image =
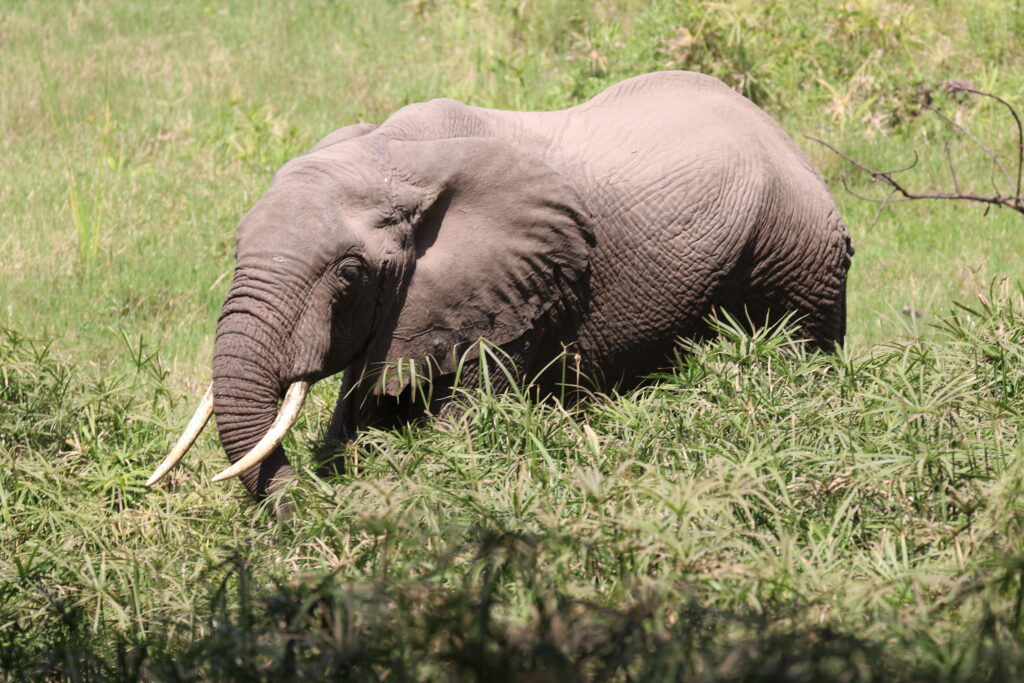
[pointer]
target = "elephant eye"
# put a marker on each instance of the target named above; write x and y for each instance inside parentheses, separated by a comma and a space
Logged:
(348, 273)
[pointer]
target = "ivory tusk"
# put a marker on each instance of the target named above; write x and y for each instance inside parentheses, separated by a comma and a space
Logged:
(188, 437)
(286, 417)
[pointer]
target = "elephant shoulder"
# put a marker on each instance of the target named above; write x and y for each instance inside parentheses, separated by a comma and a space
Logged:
(663, 85)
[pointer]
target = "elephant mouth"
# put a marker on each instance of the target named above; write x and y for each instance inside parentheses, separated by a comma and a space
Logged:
(287, 414)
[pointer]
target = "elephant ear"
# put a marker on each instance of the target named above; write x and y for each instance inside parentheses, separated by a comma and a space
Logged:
(501, 240)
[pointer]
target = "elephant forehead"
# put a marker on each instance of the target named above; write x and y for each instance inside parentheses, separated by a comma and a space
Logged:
(345, 180)
(316, 199)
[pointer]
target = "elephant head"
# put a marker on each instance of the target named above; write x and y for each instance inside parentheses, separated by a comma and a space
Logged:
(373, 248)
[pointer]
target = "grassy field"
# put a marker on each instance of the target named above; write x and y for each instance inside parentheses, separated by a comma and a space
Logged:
(756, 514)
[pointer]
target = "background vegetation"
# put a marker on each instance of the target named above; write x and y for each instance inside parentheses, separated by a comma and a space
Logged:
(756, 514)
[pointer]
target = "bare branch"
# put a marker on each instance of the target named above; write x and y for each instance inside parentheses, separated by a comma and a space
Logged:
(996, 200)
(1014, 201)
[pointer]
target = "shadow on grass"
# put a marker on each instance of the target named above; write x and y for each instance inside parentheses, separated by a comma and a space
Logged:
(422, 629)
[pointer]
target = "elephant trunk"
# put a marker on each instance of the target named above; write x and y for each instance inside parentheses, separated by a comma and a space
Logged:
(247, 385)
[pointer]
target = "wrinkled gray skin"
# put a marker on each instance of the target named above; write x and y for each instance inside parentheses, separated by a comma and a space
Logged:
(614, 227)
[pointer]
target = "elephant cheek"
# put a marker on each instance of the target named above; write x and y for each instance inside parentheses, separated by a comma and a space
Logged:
(328, 341)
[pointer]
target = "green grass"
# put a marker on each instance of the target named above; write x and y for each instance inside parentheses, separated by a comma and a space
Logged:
(758, 510)
(758, 513)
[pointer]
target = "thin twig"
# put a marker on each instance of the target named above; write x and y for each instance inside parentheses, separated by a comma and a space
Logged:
(873, 200)
(992, 178)
(1020, 131)
(952, 170)
(881, 207)
(967, 134)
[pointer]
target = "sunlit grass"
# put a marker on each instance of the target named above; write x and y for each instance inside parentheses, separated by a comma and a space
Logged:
(136, 138)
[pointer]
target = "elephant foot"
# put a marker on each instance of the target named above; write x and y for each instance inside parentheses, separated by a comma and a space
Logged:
(272, 491)
(331, 458)
(282, 508)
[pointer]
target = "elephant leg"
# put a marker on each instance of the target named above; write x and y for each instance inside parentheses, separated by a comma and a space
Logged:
(820, 312)
(273, 473)
(819, 296)
(805, 278)
(358, 407)
(340, 431)
(510, 367)
(820, 321)
(825, 328)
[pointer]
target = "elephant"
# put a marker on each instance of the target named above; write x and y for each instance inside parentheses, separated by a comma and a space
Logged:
(610, 230)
